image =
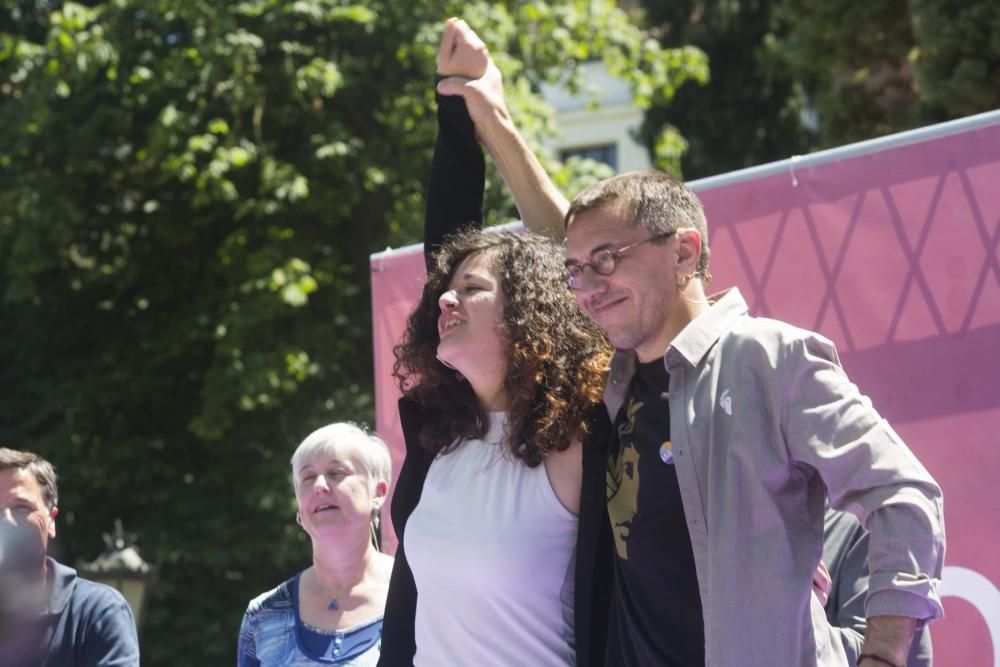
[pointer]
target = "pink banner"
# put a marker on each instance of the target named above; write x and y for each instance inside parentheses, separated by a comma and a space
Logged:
(892, 249)
(397, 280)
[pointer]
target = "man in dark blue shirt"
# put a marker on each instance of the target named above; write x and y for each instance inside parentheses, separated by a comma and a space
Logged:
(48, 615)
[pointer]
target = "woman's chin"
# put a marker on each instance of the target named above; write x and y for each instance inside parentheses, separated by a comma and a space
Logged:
(449, 359)
(337, 530)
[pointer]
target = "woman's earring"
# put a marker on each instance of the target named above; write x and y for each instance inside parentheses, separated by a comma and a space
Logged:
(374, 526)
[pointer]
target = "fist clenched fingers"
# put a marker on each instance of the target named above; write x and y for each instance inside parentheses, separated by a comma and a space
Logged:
(462, 53)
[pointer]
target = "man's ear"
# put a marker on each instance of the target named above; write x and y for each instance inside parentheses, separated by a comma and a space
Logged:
(688, 250)
(53, 513)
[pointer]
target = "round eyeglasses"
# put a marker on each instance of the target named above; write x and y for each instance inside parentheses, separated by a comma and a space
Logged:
(604, 262)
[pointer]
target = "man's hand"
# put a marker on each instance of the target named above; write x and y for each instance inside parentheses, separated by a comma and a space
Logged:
(464, 59)
(888, 637)
(822, 583)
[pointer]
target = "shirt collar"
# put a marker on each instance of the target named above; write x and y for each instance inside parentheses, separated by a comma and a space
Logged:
(697, 338)
(63, 580)
(690, 345)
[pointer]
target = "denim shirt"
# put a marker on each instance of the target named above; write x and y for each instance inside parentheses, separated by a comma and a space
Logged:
(268, 634)
(765, 425)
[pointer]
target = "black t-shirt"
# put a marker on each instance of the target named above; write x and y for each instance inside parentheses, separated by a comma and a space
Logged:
(656, 617)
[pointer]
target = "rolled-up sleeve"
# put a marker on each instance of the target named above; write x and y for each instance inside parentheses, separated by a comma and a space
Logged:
(867, 469)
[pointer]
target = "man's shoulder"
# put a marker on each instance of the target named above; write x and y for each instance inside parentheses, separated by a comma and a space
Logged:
(96, 607)
(94, 623)
(83, 596)
(96, 597)
(768, 327)
(769, 335)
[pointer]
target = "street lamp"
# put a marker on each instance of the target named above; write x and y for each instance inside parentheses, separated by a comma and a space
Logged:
(122, 568)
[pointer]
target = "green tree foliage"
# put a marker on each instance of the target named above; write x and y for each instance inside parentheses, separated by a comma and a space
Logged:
(748, 113)
(852, 59)
(189, 192)
(875, 68)
(957, 58)
(790, 76)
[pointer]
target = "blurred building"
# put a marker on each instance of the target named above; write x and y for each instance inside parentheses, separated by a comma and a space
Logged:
(606, 133)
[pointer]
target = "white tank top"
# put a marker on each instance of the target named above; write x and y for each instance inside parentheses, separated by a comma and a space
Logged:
(491, 549)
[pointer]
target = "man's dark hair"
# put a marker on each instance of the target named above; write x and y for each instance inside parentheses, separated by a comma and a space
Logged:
(653, 200)
(43, 471)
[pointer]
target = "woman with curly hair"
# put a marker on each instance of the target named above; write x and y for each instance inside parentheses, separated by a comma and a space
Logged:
(502, 378)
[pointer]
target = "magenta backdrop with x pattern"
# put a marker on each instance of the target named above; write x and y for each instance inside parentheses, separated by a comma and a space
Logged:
(891, 248)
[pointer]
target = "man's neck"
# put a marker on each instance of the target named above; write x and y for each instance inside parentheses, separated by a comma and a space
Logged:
(34, 591)
(684, 312)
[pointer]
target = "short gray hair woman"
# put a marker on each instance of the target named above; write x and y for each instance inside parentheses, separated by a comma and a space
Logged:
(331, 612)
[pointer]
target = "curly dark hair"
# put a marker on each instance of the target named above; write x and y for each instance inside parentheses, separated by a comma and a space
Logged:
(557, 359)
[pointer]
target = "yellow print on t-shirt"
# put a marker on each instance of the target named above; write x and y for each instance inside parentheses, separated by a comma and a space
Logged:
(623, 482)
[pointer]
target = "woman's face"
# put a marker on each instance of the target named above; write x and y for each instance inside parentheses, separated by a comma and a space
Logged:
(335, 495)
(470, 323)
